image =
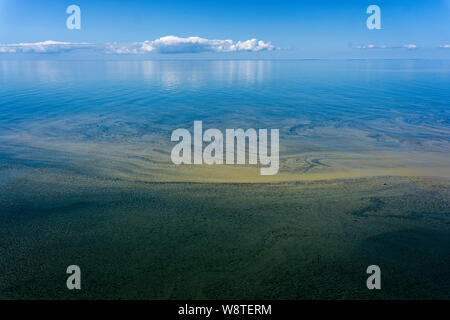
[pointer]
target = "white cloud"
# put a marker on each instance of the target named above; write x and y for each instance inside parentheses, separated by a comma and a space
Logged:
(372, 46)
(173, 44)
(168, 44)
(410, 46)
(43, 47)
(445, 46)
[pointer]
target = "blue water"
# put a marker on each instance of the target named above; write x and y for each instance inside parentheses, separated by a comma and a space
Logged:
(80, 141)
(396, 104)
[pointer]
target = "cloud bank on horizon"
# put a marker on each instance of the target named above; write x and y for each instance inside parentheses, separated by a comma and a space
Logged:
(410, 46)
(48, 46)
(166, 45)
(163, 45)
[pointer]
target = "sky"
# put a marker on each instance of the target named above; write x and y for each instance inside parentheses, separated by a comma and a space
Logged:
(232, 29)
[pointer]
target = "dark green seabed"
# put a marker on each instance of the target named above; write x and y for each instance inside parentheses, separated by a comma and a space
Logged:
(302, 240)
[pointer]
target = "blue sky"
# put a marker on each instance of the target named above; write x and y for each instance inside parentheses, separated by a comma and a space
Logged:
(295, 29)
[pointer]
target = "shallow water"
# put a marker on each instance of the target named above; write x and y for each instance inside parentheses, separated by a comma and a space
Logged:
(355, 117)
(231, 241)
(86, 179)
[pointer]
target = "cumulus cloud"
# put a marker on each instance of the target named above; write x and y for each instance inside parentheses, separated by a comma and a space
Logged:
(168, 44)
(445, 46)
(173, 44)
(43, 47)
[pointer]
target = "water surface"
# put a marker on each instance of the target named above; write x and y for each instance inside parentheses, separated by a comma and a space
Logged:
(336, 118)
